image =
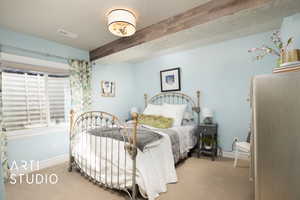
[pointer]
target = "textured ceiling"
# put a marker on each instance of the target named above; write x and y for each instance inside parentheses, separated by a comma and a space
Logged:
(42, 18)
(87, 18)
(244, 23)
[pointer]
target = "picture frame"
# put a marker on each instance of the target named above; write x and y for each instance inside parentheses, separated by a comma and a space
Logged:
(108, 88)
(170, 80)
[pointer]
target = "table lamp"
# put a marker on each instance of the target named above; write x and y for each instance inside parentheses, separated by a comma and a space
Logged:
(207, 115)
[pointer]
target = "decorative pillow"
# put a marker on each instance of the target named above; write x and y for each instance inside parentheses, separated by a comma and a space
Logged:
(152, 109)
(155, 121)
(174, 111)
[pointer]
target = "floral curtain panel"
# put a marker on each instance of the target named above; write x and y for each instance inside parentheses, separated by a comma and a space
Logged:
(3, 140)
(80, 82)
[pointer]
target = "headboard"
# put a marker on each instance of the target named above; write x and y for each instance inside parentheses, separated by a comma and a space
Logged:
(176, 98)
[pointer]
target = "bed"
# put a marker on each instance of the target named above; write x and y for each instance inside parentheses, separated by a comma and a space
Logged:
(129, 156)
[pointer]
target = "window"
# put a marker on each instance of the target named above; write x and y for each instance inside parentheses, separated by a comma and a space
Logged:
(58, 88)
(33, 100)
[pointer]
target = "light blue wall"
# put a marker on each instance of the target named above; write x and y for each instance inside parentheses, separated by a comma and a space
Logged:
(40, 147)
(291, 28)
(222, 72)
(123, 75)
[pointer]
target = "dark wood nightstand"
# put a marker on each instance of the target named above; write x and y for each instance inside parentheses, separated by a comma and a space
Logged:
(208, 140)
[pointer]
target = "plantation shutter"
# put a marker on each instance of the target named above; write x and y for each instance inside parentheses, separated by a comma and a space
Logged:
(57, 89)
(24, 100)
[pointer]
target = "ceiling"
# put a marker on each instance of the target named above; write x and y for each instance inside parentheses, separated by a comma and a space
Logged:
(247, 22)
(43, 18)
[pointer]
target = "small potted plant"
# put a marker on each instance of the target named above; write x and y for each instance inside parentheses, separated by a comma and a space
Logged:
(208, 142)
(280, 49)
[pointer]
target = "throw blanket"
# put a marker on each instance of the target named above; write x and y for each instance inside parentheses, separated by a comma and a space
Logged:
(144, 136)
(174, 137)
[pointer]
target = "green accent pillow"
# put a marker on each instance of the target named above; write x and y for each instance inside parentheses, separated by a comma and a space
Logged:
(155, 121)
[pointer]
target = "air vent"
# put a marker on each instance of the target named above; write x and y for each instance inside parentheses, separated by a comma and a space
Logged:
(67, 34)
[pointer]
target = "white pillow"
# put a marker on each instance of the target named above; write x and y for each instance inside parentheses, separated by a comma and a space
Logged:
(152, 109)
(188, 116)
(174, 111)
(188, 119)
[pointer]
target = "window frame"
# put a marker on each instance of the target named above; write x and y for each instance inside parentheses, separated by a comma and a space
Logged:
(49, 124)
(45, 65)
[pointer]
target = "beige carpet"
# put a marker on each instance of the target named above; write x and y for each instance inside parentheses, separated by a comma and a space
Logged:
(198, 179)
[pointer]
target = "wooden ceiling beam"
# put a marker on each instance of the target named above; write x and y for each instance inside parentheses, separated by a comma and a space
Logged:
(204, 13)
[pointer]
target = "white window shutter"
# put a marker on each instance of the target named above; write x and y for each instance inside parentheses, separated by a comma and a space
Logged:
(30, 100)
(57, 87)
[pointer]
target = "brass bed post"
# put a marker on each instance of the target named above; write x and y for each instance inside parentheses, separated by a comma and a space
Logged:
(146, 99)
(134, 154)
(198, 107)
(72, 115)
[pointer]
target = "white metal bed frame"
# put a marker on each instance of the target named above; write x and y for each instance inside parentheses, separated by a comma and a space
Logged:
(80, 127)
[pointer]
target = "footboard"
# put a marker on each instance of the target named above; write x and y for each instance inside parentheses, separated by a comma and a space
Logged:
(104, 150)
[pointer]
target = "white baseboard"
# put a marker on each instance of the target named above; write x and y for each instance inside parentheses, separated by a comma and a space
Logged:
(42, 164)
(230, 154)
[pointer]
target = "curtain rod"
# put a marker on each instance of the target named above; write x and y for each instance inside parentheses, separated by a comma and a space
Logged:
(34, 52)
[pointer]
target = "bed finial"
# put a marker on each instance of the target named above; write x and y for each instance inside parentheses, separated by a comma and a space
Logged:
(146, 99)
(134, 116)
(72, 117)
(198, 98)
(135, 121)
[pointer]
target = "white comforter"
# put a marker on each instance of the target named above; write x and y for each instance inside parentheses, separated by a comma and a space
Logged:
(187, 138)
(155, 165)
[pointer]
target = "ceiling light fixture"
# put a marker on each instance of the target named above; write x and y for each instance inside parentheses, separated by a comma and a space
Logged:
(121, 22)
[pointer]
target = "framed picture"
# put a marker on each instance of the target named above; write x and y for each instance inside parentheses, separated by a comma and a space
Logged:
(170, 80)
(108, 88)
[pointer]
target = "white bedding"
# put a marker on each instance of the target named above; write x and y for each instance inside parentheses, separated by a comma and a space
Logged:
(155, 165)
(187, 138)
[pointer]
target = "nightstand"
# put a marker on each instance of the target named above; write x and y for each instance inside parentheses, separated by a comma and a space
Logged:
(208, 140)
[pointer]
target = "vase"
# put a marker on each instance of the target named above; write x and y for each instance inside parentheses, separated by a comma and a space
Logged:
(291, 56)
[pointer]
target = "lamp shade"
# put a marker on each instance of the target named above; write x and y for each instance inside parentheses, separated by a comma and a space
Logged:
(121, 22)
(206, 112)
(134, 110)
